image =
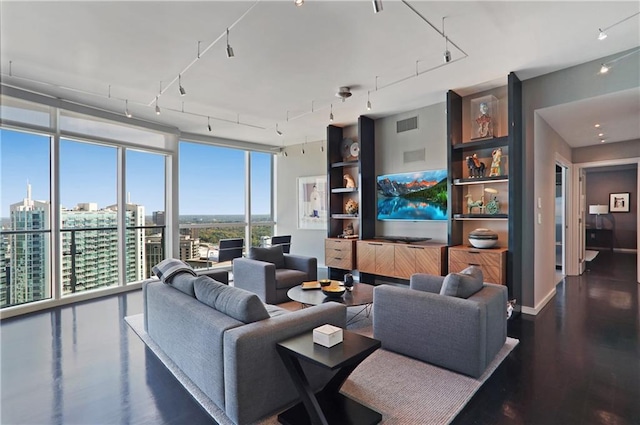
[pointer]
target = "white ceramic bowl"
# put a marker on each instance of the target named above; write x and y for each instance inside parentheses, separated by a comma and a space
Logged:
(483, 243)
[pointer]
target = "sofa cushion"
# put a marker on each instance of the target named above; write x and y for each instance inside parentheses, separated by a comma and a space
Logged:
(183, 282)
(234, 302)
(170, 267)
(274, 310)
(286, 278)
(272, 255)
(463, 284)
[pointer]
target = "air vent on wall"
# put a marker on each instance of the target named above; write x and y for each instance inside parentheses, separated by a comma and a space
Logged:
(414, 156)
(407, 124)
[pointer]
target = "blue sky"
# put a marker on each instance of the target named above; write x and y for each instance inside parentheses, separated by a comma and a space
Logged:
(211, 178)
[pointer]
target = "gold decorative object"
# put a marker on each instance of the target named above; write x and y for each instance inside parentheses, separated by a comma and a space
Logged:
(351, 207)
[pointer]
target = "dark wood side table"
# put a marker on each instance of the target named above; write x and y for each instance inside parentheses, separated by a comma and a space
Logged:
(327, 406)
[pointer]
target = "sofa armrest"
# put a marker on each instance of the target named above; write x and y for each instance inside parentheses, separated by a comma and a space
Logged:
(446, 331)
(309, 265)
(255, 276)
(256, 380)
(426, 282)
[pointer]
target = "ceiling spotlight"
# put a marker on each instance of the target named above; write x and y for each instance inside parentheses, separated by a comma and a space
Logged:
(298, 2)
(597, 126)
(447, 53)
(447, 56)
(182, 90)
(602, 35)
(229, 48)
(608, 65)
(157, 107)
(368, 102)
(209, 123)
(278, 132)
(126, 109)
(377, 6)
(331, 114)
(600, 134)
(285, 153)
(602, 140)
(604, 68)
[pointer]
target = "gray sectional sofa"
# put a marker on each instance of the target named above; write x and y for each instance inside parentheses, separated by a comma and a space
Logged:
(223, 338)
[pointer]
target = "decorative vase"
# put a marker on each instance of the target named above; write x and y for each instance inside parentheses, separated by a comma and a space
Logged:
(348, 281)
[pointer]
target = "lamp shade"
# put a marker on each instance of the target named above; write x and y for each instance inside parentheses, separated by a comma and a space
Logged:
(598, 209)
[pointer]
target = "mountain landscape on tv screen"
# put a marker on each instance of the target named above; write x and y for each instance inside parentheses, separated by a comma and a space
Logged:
(413, 196)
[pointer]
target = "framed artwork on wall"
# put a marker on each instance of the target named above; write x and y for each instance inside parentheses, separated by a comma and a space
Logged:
(619, 202)
(312, 202)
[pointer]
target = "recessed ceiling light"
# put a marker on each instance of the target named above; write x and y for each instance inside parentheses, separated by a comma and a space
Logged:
(298, 2)
(600, 134)
(597, 126)
(602, 141)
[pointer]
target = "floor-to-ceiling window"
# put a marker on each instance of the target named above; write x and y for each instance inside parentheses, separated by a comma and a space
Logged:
(25, 211)
(261, 196)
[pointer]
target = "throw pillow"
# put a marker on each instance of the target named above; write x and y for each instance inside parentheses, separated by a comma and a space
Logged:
(168, 268)
(272, 255)
(463, 284)
(234, 302)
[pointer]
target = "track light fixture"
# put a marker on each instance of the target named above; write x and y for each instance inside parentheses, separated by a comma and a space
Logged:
(298, 2)
(278, 132)
(447, 53)
(209, 123)
(368, 102)
(377, 6)
(182, 90)
(602, 32)
(126, 109)
(229, 48)
(331, 114)
(157, 107)
(605, 67)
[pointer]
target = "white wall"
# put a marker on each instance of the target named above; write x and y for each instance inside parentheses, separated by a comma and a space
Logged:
(288, 169)
(431, 135)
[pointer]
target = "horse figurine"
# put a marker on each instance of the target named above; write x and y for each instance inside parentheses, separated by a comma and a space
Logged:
(474, 204)
(476, 167)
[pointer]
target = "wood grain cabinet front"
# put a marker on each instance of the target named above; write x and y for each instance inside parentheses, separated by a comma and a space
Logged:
(339, 253)
(492, 261)
(410, 259)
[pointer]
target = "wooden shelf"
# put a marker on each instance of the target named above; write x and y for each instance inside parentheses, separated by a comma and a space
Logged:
(493, 142)
(344, 164)
(480, 180)
(344, 216)
(344, 190)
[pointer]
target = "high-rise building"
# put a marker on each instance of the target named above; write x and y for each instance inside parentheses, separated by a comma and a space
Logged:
(27, 272)
(189, 248)
(158, 218)
(90, 249)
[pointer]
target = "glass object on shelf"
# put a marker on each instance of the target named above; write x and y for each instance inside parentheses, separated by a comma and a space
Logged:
(484, 117)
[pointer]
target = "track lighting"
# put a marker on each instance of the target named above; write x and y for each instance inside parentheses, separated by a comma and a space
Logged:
(605, 67)
(447, 56)
(331, 114)
(447, 53)
(285, 153)
(368, 102)
(209, 123)
(298, 2)
(602, 35)
(157, 107)
(377, 6)
(182, 90)
(229, 48)
(278, 132)
(126, 109)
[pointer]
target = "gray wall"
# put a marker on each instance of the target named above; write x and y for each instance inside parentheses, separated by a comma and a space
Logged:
(431, 135)
(607, 151)
(288, 169)
(564, 86)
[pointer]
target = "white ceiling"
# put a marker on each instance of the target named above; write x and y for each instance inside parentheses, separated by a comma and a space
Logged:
(294, 59)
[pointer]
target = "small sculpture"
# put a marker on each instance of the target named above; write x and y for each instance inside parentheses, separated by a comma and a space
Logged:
(476, 167)
(493, 206)
(474, 204)
(495, 163)
(351, 207)
(484, 121)
(349, 180)
(348, 230)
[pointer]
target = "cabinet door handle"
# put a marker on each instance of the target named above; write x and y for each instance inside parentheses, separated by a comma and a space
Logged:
(473, 264)
(337, 258)
(336, 249)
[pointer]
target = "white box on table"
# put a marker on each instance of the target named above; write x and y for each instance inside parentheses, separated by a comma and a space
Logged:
(327, 335)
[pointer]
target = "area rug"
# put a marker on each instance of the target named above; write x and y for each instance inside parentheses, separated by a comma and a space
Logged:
(404, 390)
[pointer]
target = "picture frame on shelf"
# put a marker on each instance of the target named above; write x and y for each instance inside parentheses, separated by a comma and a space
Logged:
(619, 202)
(312, 203)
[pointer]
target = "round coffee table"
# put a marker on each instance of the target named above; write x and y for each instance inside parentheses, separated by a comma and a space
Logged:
(361, 295)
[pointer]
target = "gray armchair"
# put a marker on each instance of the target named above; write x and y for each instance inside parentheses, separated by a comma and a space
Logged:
(270, 273)
(461, 334)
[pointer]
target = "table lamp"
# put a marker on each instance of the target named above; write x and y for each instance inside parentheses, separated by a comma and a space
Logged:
(597, 210)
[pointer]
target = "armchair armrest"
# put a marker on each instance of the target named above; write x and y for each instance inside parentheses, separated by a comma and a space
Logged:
(446, 331)
(255, 276)
(309, 265)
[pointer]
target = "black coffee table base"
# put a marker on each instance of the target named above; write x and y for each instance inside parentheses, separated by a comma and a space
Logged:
(338, 410)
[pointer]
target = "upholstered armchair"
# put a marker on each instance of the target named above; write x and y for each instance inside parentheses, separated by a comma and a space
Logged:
(270, 273)
(456, 322)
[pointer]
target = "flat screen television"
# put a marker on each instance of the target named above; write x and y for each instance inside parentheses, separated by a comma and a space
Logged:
(416, 196)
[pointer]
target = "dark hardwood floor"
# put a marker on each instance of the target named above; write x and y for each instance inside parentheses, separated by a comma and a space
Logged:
(578, 362)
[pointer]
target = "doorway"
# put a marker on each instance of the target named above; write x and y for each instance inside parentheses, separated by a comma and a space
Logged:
(561, 221)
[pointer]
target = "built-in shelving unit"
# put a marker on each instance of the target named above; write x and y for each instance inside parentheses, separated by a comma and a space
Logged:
(340, 255)
(471, 196)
